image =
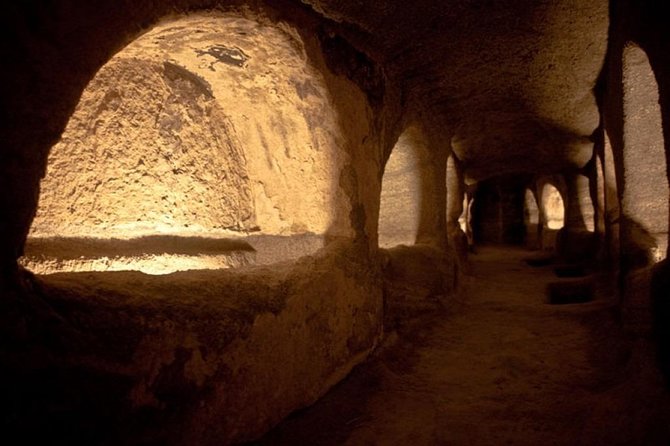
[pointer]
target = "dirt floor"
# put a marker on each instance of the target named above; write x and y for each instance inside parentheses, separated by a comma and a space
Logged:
(496, 366)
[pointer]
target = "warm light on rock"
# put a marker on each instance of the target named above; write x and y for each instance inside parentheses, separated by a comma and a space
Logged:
(401, 195)
(554, 208)
(335, 222)
(221, 132)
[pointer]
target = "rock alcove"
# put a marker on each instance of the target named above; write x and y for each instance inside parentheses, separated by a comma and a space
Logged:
(205, 143)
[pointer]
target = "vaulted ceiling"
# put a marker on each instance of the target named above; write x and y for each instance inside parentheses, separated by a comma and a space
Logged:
(510, 81)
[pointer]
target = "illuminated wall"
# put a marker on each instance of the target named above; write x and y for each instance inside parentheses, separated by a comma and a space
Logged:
(401, 195)
(204, 125)
(553, 207)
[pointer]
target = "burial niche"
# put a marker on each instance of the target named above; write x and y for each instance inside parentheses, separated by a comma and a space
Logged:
(206, 143)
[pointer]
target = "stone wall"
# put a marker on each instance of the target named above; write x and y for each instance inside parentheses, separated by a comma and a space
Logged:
(207, 357)
(147, 151)
(634, 115)
(380, 63)
(192, 358)
(229, 129)
(401, 194)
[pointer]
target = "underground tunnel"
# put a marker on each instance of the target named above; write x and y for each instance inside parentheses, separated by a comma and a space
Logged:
(321, 222)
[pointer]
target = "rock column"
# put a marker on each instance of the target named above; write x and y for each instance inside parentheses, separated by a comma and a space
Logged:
(577, 242)
(455, 197)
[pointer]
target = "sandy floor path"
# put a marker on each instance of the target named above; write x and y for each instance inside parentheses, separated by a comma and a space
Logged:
(499, 366)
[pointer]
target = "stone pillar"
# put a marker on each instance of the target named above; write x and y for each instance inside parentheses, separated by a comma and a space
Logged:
(455, 201)
(579, 209)
(20, 175)
(612, 208)
(576, 239)
(468, 203)
(433, 194)
(531, 214)
(598, 191)
(19, 191)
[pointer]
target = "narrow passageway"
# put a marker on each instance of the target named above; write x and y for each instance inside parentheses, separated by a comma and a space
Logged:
(498, 366)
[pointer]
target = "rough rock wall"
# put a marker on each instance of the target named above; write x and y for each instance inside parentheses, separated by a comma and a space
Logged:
(413, 203)
(170, 345)
(633, 116)
(53, 52)
(645, 180)
(280, 108)
(647, 23)
(196, 358)
(401, 194)
(636, 110)
(148, 149)
(544, 56)
(203, 124)
(531, 219)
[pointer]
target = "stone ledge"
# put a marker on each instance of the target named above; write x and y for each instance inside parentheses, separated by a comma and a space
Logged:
(206, 357)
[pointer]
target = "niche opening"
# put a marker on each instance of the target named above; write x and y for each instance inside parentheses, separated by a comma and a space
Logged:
(208, 142)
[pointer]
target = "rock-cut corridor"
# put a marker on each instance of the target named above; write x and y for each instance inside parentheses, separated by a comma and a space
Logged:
(498, 366)
(335, 222)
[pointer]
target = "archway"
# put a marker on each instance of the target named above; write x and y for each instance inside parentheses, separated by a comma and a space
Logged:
(644, 182)
(498, 209)
(552, 208)
(208, 142)
(401, 193)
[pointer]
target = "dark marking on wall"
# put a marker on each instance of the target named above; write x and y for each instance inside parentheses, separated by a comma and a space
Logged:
(229, 55)
(176, 72)
(264, 142)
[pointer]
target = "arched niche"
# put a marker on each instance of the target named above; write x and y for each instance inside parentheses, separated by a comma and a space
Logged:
(497, 210)
(457, 201)
(644, 182)
(208, 142)
(402, 191)
(553, 207)
(463, 219)
(552, 210)
(324, 311)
